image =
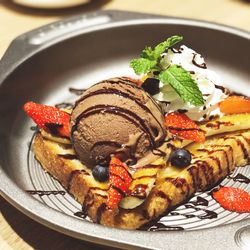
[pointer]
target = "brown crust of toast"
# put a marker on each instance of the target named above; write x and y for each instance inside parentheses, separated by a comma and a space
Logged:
(212, 161)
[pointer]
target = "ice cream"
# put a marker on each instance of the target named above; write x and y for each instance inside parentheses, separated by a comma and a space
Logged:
(116, 117)
(208, 83)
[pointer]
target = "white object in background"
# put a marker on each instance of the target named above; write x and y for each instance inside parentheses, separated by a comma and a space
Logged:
(50, 4)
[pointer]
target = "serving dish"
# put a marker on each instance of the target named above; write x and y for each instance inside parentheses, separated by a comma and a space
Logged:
(42, 64)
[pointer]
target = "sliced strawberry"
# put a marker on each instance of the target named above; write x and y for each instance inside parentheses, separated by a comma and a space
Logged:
(135, 81)
(181, 125)
(49, 118)
(120, 180)
(233, 199)
(235, 105)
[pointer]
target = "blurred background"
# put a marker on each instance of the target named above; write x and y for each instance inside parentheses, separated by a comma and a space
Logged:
(19, 16)
(16, 17)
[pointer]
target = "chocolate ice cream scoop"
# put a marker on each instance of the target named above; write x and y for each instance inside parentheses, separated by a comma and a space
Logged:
(116, 116)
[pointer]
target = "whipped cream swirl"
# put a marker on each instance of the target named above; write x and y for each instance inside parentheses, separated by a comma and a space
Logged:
(207, 80)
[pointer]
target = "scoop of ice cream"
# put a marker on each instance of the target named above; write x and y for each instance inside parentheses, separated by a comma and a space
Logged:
(116, 117)
(208, 82)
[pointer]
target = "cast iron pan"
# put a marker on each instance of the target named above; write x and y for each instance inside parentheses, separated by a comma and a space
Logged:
(42, 64)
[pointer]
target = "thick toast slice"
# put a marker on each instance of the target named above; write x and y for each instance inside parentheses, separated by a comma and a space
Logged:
(211, 162)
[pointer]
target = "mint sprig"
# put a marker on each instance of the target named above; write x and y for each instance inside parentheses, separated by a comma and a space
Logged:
(176, 76)
(184, 85)
(142, 65)
(150, 58)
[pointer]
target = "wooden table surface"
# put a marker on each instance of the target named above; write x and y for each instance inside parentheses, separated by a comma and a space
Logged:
(17, 230)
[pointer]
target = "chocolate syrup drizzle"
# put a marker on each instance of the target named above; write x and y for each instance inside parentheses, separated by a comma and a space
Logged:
(203, 65)
(53, 127)
(184, 129)
(43, 192)
(176, 51)
(208, 213)
(101, 209)
(199, 201)
(81, 214)
(68, 156)
(240, 178)
(218, 124)
(77, 91)
(112, 91)
(64, 105)
(34, 128)
(161, 227)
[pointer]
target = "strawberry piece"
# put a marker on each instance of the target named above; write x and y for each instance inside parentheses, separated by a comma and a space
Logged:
(181, 125)
(49, 118)
(235, 105)
(120, 180)
(233, 199)
(135, 81)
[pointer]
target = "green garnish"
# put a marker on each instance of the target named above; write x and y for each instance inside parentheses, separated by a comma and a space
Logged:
(176, 76)
(183, 84)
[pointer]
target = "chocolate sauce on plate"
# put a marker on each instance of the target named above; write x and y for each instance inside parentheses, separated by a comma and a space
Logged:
(64, 105)
(161, 227)
(208, 213)
(77, 91)
(81, 214)
(199, 201)
(240, 178)
(42, 192)
(34, 128)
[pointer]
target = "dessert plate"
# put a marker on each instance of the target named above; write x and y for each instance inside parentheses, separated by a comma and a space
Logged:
(51, 64)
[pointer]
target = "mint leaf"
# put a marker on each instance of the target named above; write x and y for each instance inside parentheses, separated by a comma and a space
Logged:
(150, 58)
(148, 53)
(142, 65)
(182, 82)
(161, 47)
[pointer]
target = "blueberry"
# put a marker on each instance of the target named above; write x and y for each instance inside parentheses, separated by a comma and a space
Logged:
(100, 173)
(151, 85)
(180, 158)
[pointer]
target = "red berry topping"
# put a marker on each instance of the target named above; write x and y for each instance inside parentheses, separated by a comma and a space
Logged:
(181, 125)
(233, 199)
(120, 180)
(49, 118)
